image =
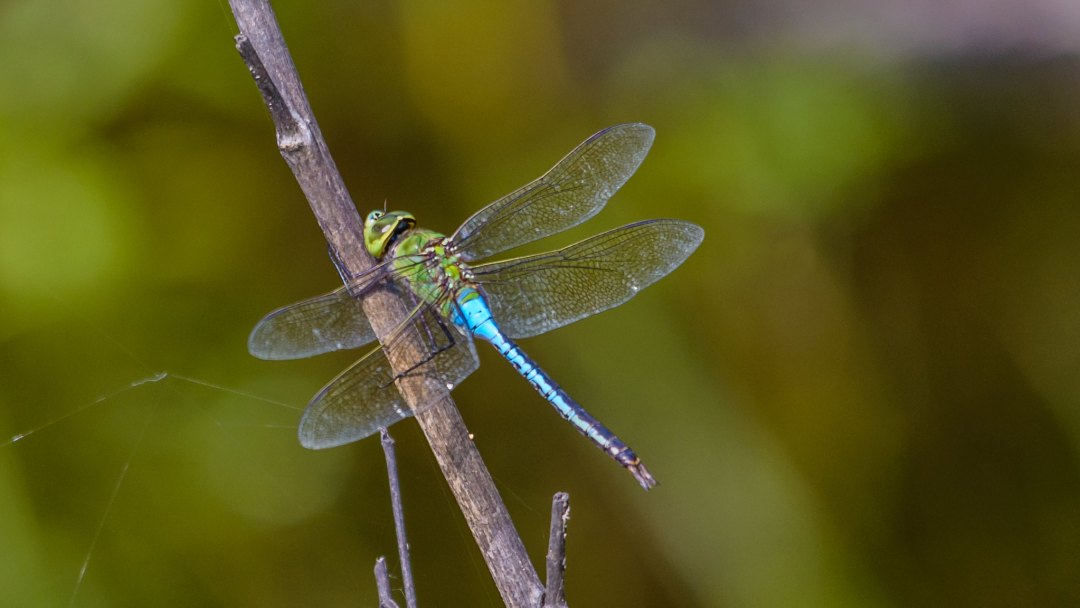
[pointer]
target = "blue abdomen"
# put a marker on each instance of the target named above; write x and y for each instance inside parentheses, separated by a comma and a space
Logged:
(472, 313)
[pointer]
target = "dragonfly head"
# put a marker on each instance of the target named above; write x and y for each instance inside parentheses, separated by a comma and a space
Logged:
(382, 227)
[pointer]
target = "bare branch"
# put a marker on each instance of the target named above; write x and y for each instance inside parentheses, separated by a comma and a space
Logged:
(301, 144)
(291, 131)
(555, 597)
(382, 583)
(399, 517)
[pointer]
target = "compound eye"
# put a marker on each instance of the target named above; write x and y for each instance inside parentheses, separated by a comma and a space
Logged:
(374, 215)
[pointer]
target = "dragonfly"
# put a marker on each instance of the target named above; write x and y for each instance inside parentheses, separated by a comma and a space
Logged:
(454, 297)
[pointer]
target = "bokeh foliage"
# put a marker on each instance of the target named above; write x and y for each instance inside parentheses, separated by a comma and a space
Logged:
(861, 391)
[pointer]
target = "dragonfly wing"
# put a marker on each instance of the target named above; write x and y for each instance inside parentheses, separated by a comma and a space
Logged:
(323, 324)
(332, 321)
(573, 190)
(364, 397)
(355, 404)
(535, 294)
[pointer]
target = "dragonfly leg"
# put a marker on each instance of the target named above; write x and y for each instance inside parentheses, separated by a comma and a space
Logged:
(431, 339)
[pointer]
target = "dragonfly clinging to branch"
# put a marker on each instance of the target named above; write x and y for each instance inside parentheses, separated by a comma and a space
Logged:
(455, 299)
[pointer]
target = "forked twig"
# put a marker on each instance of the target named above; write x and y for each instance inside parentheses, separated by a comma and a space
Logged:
(399, 517)
(555, 595)
(262, 46)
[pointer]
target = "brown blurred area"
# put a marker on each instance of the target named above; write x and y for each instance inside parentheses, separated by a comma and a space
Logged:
(862, 390)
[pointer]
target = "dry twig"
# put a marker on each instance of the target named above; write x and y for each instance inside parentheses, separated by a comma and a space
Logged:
(399, 517)
(555, 596)
(262, 46)
(382, 583)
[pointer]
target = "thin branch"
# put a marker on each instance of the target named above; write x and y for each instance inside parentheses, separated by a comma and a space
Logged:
(399, 517)
(382, 583)
(290, 129)
(555, 597)
(301, 144)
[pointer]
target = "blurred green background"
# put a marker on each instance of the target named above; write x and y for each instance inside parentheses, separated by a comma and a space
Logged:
(862, 390)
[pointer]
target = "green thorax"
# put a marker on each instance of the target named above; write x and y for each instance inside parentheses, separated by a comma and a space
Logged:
(431, 271)
(418, 255)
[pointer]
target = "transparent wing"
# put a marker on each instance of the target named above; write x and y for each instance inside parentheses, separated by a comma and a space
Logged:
(535, 294)
(364, 397)
(573, 190)
(323, 324)
(332, 321)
